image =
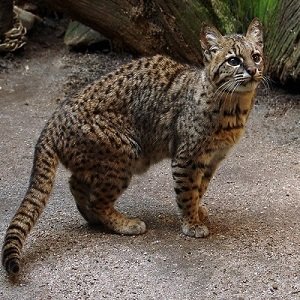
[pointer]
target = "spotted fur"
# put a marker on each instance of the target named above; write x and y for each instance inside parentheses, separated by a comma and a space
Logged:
(150, 109)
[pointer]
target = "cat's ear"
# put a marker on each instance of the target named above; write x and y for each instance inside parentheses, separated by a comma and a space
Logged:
(255, 32)
(210, 40)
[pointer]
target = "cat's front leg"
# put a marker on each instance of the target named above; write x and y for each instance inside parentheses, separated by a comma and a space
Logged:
(187, 176)
(214, 160)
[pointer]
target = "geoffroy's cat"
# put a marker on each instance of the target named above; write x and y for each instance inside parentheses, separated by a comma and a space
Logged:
(147, 110)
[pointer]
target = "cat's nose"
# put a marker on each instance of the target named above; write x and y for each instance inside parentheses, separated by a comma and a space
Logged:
(251, 70)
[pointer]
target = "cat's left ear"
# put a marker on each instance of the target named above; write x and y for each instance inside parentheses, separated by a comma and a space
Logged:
(255, 32)
(210, 40)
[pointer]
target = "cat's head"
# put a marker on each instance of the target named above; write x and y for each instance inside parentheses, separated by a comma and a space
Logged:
(234, 63)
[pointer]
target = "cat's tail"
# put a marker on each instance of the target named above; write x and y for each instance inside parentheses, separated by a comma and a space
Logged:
(41, 183)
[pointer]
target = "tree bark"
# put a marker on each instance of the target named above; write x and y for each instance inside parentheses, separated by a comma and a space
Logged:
(283, 46)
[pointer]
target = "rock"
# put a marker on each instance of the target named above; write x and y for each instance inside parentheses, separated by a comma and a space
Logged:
(81, 36)
(27, 18)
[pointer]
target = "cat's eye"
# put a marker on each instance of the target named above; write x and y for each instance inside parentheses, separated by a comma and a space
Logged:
(256, 58)
(234, 61)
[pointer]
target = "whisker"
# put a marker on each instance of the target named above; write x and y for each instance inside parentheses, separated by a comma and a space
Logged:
(223, 88)
(224, 84)
(234, 88)
(231, 84)
(266, 84)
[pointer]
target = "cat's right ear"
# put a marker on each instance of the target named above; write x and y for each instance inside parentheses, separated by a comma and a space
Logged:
(210, 39)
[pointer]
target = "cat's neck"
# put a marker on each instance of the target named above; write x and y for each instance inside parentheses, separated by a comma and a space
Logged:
(234, 109)
(234, 103)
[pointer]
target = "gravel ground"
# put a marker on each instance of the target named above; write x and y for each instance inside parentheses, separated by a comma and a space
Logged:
(253, 202)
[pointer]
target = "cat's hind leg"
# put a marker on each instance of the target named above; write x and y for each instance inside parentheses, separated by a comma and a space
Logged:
(95, 201)
(81, 194)
(103, 197)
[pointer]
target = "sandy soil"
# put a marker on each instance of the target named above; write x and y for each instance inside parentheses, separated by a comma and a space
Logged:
(253, 202)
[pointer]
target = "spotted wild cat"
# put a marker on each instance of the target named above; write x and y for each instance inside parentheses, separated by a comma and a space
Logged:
(147, 110)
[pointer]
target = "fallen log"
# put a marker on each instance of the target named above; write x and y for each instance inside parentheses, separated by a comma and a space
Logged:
(172, 27)
(146, 27)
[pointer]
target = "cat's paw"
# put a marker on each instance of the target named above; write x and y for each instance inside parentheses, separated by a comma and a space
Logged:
(133, 226)
(195, 230)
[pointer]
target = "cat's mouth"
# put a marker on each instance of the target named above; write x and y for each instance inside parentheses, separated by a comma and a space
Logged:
(247, 85)
(240, 84)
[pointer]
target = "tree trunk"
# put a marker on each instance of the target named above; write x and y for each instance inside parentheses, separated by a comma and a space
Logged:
(146, 27)
(172, 26)
(283, 47)
(6, 16)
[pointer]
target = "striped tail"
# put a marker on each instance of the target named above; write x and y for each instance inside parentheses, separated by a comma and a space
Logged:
(41, 183)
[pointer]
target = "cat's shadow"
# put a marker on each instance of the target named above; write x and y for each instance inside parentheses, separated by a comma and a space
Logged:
(77, 230)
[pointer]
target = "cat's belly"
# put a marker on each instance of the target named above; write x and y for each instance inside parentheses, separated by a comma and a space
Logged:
(143, 163)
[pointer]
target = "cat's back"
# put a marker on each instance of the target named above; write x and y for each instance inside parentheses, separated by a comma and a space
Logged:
(156, 70)
(145, 77)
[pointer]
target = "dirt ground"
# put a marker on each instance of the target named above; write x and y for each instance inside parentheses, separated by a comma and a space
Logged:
(253, 251)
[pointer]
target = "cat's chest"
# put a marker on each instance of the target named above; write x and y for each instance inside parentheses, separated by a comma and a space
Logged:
(231, 121)
(229, 130)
